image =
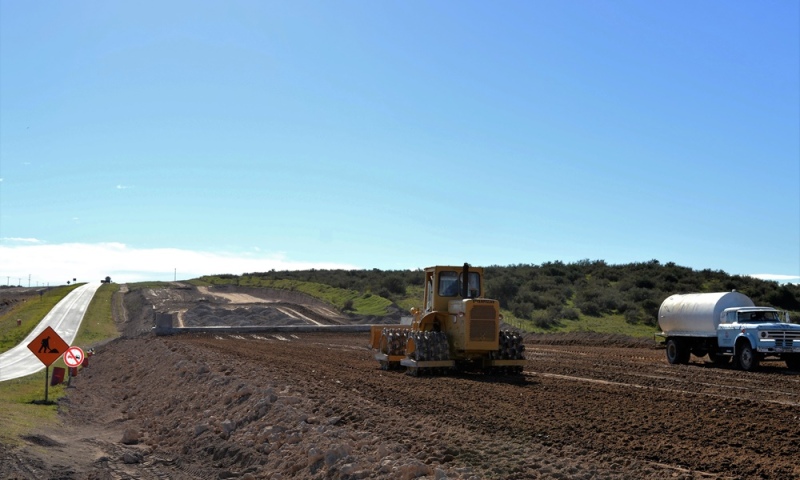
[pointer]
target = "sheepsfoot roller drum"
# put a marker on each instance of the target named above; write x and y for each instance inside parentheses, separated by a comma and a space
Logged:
(391, 346)
(457, 329)
(427, 353)
(509, 358)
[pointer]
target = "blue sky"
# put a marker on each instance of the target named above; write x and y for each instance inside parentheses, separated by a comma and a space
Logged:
(154, 140)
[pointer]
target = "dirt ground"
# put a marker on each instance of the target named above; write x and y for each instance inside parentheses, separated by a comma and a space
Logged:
(316, 406)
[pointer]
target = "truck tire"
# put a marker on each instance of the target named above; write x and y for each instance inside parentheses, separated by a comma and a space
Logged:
(677, 353)
(746, 358)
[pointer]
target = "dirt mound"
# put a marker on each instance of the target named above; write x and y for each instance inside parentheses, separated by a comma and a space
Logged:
(274, 314)
(237, 306)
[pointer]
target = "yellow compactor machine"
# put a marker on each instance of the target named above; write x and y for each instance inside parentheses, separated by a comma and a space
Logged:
(457, 329)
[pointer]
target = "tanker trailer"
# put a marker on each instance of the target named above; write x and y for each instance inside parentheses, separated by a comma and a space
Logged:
(725, 326)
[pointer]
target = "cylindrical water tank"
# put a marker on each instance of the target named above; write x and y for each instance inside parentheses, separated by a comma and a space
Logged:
(697, 313)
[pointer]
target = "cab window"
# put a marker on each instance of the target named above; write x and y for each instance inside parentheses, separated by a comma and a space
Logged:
(448, 284)
(474, 286)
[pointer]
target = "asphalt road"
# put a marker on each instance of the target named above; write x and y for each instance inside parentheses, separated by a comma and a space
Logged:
(65, 318)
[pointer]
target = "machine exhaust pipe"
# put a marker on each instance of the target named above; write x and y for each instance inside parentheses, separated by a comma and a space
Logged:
(465, 281)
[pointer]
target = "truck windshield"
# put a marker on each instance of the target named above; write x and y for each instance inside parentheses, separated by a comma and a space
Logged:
(758, 317)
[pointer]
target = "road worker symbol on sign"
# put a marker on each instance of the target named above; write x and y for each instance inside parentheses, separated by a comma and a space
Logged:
(48, 346)
(45, 346)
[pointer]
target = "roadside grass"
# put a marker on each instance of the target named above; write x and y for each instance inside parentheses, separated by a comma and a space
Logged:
(98, 322)
(30, 312)
(18, 415)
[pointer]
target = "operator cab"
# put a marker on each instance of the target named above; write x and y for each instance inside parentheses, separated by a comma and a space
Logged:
(443, 284)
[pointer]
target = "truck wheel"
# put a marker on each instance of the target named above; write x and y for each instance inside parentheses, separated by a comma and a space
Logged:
(677, 353)
(746, 358)
(793, 362)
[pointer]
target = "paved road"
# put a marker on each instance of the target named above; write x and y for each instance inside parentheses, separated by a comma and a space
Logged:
(65, 318)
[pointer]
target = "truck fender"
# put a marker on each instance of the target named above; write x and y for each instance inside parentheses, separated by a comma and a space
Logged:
(742, 337)
(428, 321)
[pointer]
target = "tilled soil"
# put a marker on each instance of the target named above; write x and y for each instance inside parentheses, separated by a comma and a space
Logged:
(315, 406)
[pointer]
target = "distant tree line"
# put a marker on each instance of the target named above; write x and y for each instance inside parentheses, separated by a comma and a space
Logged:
(553, 291)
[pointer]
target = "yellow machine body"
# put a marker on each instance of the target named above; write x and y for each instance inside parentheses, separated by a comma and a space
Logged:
(455, 317)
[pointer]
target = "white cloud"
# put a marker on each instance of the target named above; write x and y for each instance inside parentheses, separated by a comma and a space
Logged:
(57, 264)
(775, 277)
(123, 187)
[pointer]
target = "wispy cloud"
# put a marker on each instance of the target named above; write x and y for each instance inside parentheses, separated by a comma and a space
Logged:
(20, 240)
(123, 187)
(776, 277)
(57, 264)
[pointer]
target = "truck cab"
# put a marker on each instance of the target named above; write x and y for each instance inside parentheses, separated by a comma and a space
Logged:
(752, 333)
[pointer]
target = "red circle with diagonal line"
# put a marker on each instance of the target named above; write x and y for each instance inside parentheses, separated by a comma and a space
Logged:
(73, 357)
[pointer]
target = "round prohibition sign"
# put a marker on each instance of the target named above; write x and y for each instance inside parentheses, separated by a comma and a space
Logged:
(73, 356)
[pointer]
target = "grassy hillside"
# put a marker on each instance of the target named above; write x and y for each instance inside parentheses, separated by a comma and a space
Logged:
(551, 297)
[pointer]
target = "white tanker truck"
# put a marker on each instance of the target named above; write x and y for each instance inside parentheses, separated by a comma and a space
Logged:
(725, 326)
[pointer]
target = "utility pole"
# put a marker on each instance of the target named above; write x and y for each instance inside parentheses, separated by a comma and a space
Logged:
(29, 280)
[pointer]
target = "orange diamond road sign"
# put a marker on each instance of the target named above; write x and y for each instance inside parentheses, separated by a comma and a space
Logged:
(48, 346)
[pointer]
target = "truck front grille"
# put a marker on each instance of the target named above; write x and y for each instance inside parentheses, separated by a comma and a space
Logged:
(783, 338)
